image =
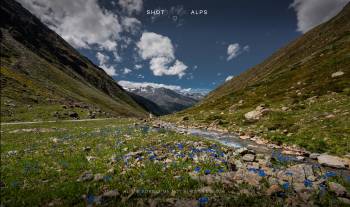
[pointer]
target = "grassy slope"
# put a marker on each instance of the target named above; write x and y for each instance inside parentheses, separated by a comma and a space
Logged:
(38, 68)
(291, 77)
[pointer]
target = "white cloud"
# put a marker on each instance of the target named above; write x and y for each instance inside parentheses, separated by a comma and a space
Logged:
(103, 60)
(138, 66)
(126, 71)
(233, 50)
(131, 6)
(159, 66)
(229, 78)
(311, 13)
(110, 70)
(160, 51)
(82, 23)
(131, 25)
(152, 45)
(136, 85)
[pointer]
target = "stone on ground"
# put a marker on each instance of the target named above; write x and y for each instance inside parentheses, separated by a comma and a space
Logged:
(337, 74)
(338, 189)
(248, 158)
(86, 176)
(330, 161)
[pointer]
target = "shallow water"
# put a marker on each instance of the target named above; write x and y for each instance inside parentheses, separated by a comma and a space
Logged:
(227, 139)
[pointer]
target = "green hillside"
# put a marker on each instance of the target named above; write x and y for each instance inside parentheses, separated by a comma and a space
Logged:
(43, 77)
(303, 90)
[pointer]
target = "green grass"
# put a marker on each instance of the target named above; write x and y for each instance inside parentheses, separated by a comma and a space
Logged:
(44, 171)
(39, 113)
(50, 158)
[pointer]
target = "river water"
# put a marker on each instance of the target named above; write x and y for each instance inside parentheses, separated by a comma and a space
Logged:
(227, 139)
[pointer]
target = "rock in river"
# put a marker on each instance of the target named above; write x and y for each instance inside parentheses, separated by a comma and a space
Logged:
(296, 173)
(314, 155)
(248, 158)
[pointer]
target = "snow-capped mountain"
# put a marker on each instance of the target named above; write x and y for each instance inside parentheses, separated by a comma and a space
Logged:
(167, 100)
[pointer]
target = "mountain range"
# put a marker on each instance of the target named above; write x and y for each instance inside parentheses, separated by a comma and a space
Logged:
(166, 101)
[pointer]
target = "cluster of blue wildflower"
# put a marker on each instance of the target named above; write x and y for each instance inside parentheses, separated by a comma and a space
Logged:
(260, 172)
(285, 186)
(307, 183)
(90, 199)
(180, 150)
(329, 174)
(203, 201)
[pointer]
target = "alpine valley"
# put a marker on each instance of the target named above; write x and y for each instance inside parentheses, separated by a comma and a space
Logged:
(277, 134)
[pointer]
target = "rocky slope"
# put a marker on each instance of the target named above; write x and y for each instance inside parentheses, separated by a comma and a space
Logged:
(148, 105)
(42, 75)
(299, 95)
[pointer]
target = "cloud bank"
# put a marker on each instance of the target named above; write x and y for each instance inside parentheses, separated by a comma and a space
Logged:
(160, 51)
(134, 85)
(137, 85)
(311, 13)
(80, 22)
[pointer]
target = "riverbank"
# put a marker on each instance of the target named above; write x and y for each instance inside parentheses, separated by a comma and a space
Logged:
(241, 139)
(317, 124)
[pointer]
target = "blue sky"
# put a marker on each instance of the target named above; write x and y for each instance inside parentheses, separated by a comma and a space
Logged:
(202, 41)
(177, 48)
